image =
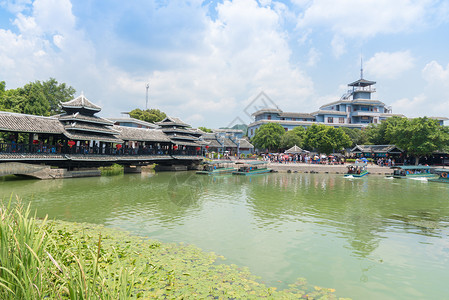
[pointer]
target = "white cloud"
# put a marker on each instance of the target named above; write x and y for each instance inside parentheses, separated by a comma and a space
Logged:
(314, 57)
(361, 20)
(434, 99)
(338, 46)
(435, 74)
(354, 18)
(15, 6)
(241, 52)
(389, 65)
(410, 107)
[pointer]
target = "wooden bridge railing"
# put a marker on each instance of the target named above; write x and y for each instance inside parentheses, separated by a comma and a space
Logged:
(60, 149)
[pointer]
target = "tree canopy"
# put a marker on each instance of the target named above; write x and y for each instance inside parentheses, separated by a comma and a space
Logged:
(149, 115)
(420, 136)
(207, 130)
(36, 98)
(326, 139)
(268, 136)
(293, 137)
(382, 133)
(357, 136)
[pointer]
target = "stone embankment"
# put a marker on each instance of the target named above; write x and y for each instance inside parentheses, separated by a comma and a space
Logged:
(325, 169)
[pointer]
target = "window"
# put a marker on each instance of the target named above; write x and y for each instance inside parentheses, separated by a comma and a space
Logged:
(269, 117)
(341, 120)
(293, 119)
(349, 120)
(330, 120)
(283, 119)
(375, 121)
(252, 131)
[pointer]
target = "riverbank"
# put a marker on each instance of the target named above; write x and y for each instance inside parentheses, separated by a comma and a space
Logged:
(325, 169)
(70, 260)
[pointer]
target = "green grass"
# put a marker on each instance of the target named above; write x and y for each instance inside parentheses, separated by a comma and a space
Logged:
(61, 260)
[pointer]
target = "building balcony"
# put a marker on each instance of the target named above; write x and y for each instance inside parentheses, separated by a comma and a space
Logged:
(362, 113)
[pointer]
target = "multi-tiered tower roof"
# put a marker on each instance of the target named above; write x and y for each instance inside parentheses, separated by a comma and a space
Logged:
(80, 122)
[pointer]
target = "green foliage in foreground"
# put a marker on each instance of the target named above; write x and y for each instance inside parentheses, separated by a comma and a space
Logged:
(60, 260)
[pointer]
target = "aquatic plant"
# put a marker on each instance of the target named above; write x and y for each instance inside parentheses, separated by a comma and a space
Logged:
(61, 260)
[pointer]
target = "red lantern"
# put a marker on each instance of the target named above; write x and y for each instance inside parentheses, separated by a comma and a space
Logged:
(175, 147)
(207, 147)
(71, 143)
(119, 146)
(35, 142)
(198, 148)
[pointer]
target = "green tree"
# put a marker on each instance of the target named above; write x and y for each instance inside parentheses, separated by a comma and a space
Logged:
(420, 136)
(326, 139)
(268, 136)
(56, 93)
(205, 129)
(357, 136)
(149, 115)
(381, 134)
(293, 137)
(37, 98)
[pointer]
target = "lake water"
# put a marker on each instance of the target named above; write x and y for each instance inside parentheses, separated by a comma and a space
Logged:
(369, 238)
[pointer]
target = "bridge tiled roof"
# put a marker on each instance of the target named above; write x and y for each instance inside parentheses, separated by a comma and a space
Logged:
(141, 134)
(187, 143)
(81, 117)
(79, 126)
(15, 122)
(92, 137)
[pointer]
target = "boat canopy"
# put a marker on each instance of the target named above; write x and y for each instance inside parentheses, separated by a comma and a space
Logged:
(214, 162)
(253, 163)
(412, 167)
(441, 170)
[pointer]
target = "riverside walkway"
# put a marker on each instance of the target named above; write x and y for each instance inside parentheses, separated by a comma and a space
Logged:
(324, 168)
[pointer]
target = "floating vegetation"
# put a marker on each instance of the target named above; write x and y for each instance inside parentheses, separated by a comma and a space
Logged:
(56, 259)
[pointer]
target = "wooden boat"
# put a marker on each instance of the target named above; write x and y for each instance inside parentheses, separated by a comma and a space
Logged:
(251, 168)
(412, 172)
(217, 167)
(442, 176)
(357, 170)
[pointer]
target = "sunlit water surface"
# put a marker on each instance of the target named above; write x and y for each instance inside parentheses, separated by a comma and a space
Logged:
(369, 238)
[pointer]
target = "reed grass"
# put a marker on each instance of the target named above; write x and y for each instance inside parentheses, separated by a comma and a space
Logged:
(33, 265)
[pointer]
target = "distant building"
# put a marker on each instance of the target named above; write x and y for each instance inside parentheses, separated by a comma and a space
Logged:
(132, 122)
(355, 109)
(231, 140)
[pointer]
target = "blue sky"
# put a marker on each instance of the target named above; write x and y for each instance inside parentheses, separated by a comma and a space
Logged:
(206, 61)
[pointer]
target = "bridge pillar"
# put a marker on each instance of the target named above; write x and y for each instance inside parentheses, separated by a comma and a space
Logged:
(132, 169)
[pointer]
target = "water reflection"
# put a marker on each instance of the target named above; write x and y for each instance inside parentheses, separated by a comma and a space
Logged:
(337, 232)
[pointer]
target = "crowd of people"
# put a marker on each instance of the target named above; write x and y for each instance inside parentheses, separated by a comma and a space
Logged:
(303, 158)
